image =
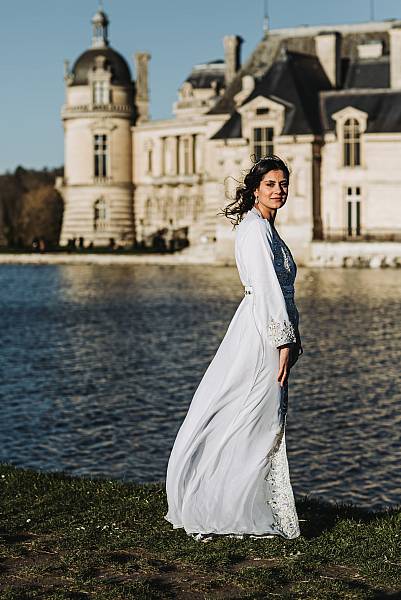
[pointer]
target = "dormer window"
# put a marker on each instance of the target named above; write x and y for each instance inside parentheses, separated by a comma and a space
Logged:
(101, 93)
(351, 143)
(351, 124)
(262, 141)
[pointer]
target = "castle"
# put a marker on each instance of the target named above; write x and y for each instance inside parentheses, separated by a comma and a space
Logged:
(325, 98)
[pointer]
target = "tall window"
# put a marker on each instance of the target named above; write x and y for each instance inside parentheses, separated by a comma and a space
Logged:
(100, 215)
(352, 143)
(194, 165)
(163, 142)
(100, 92)
(197, 206)
(186, 155)
(168, 202)
(353, 205)
(167, 155)
(262, 141)
(100, 155)
(149, 166)
(148, 211)
(177, 156)
(182, 207)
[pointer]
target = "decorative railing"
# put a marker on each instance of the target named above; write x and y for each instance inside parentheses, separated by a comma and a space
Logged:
(102, 180)
(189, 179)
(373, 235)
(79, 108)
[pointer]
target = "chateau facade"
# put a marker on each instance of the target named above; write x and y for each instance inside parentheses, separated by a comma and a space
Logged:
(326, 99)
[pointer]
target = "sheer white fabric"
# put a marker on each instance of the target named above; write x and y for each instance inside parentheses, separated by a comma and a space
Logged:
(228, 470)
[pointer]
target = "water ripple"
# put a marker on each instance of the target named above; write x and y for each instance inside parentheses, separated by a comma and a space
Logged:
(98, 366)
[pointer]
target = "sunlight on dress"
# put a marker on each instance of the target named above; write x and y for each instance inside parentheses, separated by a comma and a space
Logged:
(228, 471)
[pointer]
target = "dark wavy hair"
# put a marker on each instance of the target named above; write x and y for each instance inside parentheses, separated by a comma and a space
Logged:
(244, 194)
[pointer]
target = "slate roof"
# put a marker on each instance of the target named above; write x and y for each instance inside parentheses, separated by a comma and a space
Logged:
(231, 128)
(202, 76)
(261, 59)
(296, 80)
(86, 61)
(382, 106)
(372, 73)
(286, 69)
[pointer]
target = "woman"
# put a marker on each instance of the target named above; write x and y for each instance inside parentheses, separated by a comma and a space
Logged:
(228, 471)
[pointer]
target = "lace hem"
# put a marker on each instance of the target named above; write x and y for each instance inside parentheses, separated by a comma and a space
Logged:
(280, 332)
(280, 496)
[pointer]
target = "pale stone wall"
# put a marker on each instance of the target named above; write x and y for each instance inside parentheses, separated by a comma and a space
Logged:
(78, 152)
(81, 189)
(355, 254)
(295, 219)
(378, 177)
(79, 204)
(165, 198)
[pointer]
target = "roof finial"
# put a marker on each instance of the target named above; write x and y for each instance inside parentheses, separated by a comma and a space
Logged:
(100, 25)
(372, 10)
(266, 17)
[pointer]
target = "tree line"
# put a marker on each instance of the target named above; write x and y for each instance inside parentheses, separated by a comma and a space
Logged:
(31, 209)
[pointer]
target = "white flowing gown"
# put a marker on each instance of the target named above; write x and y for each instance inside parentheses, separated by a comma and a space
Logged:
(228, 470)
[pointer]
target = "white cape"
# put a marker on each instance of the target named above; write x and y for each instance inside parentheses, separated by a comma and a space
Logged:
(228, 469)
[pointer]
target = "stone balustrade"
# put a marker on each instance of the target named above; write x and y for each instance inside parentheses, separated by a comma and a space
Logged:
(124, 109)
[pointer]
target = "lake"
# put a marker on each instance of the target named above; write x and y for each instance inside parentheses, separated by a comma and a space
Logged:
(98, 365)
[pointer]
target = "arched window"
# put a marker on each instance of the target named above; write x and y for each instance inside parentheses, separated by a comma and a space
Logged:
(352, 143)
(99, 215)
(148, 211)
(182, 207)
(197, 207)
(168, 202)
(101, 93)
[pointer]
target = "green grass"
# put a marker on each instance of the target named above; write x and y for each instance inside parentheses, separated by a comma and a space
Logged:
(70, 538)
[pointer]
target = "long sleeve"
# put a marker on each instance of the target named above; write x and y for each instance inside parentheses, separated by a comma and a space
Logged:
(269, 303)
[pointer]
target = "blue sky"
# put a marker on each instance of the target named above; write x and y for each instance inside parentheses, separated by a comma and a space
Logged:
(36, 37)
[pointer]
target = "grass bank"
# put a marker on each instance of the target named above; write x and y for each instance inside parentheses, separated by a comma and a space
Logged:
(74, 538)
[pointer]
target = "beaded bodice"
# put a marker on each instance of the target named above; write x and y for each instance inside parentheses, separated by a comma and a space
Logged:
(286, 271)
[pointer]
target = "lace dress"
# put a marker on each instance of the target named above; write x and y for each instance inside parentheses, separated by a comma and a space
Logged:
(228, 472)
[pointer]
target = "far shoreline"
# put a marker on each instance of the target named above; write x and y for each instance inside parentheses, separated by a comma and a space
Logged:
(65, 258)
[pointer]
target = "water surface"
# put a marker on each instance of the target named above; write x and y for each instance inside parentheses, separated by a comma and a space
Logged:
(98, 365)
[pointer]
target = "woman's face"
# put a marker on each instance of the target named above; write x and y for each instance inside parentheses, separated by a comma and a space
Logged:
(273, 189)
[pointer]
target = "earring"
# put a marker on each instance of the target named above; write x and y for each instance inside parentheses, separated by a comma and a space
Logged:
(256, 199)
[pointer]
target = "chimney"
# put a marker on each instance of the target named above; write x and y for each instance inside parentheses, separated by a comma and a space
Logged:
(142, 87)
(232, 56)
(328, 51)
(395, 57)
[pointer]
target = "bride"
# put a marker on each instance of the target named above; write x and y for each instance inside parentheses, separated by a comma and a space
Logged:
(228, 471)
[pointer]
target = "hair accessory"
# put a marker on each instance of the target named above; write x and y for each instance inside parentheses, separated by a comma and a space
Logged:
(267, 157)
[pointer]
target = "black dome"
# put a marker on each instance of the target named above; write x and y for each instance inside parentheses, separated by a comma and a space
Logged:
(119, 68)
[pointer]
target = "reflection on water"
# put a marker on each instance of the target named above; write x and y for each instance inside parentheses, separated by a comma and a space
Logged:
(98, 366)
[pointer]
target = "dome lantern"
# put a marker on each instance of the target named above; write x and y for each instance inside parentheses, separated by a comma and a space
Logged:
(100, 24)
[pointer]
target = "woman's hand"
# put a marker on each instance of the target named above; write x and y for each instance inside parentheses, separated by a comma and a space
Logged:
(284, 364)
